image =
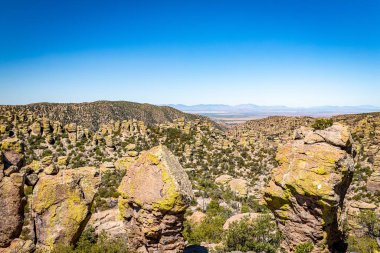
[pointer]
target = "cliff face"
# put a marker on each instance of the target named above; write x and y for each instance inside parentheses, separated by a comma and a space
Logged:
(307, 190)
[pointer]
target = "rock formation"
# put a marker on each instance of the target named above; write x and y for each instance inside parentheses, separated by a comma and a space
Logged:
(61, 204)
(13, 152)
(307, 190)
(11, 190)
(155, 193)
(11, 211)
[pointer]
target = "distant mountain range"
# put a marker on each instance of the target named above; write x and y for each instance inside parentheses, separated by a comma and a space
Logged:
(240, 113)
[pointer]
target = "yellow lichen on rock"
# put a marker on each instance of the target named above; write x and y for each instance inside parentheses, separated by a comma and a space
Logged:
(61, 204)
(308, 186)
(154, 194)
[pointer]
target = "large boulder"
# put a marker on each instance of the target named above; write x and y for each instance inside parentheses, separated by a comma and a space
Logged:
(307, 190)
(239, 217)
(239, 186)
(61, 205)
(11, 208)
(223, 179)
(13, 152)
(154, 195)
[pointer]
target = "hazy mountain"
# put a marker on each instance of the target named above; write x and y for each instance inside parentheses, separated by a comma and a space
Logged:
(257, 110)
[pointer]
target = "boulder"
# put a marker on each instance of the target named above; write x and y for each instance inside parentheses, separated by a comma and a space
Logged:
(223, 179)
(131, 147)
(61, 205)
(13, 152)
(12, 208)
(307, 190)
(62, 162)
(239, 186)
(154, 195)
(196, 218)
(337, 135)
(132, 153)
(51, 170)
(31, 179)
(239, 217)
(10, 170)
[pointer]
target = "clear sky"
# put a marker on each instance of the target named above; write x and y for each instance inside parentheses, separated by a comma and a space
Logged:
(267, 52)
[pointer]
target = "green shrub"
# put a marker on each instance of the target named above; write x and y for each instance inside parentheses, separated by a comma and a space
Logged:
(89, 243)
(306, 247)
(211, 228)
(28, 190)
(321, 124)
(47, 152)
(371, 222)
(363, 244)
(260, 235)
(367, 243)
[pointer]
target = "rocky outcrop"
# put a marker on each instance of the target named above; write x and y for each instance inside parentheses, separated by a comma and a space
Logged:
(155, 193)
(11, 190)
(13, 152)
(11, 208)
(307, 190)
(61, 205)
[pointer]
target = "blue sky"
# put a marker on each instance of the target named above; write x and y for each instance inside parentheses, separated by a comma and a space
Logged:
(269, 52)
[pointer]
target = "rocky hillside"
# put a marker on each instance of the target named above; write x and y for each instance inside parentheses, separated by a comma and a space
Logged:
(166, 186)
(92, 115)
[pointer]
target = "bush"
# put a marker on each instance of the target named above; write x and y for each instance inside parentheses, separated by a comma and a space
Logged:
(370, 221)
(47, 152)
(364, 244)
(367, 243)
(321, 124)
(260, 235)
(304, 247)
(89, 243)
(211, 228)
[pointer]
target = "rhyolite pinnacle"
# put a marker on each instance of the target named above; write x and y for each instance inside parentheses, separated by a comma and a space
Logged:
(308, 187)
(154, 195)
